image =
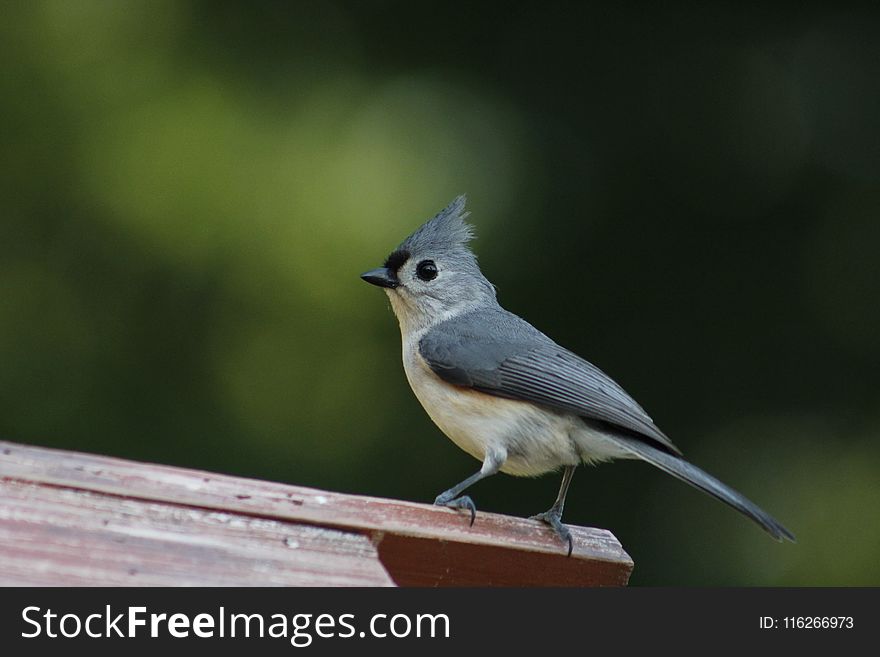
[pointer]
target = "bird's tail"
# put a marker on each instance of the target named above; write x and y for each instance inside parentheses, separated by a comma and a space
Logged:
(692, 475)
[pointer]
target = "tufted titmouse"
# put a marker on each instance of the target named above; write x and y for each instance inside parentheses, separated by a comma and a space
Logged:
(506, 393)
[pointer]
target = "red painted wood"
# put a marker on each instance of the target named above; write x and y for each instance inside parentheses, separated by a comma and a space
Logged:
(51, 536)
(418, 544)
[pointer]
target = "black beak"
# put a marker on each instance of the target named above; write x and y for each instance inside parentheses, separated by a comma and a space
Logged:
(383, 277)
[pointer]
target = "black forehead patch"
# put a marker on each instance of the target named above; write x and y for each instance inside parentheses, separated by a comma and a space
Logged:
(395, 261)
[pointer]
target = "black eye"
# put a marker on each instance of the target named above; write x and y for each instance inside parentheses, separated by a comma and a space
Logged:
(426, 270)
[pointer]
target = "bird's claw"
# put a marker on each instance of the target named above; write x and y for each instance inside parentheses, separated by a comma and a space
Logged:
(554, 519)
(463, 502)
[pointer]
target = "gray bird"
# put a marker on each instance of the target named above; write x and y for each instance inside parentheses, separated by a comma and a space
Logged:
(503, 391)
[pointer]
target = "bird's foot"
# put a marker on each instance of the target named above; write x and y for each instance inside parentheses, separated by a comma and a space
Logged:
(463, 502)
(553, 517)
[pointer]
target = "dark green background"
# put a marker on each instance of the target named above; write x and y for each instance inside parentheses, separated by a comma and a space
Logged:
(689, 196)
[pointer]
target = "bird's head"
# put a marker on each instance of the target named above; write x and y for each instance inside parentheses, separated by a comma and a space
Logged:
(433, 275)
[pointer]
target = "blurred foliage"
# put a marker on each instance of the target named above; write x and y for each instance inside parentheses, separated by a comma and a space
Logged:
(687, 195)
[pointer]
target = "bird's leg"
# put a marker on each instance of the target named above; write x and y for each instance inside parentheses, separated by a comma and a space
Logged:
(553, 516)
(453, 498)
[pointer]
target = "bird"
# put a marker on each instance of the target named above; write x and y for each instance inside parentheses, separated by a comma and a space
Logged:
(506, 393)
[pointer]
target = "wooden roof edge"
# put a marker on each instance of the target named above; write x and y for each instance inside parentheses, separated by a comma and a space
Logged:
(418, 544)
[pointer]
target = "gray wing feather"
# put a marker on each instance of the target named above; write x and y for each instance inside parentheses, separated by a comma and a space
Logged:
(500, 354)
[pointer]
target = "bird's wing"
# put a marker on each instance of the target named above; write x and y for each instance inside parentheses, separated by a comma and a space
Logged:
(500, 354)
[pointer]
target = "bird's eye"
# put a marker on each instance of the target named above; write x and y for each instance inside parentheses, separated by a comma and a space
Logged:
(426, 270)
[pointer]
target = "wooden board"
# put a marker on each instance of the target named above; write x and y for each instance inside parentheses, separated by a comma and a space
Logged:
(53, 536)
(54, 504)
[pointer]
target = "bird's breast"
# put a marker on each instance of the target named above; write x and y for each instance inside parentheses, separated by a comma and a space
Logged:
(535, 440)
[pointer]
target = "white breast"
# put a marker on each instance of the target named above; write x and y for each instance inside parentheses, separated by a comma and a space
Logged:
(534, 440)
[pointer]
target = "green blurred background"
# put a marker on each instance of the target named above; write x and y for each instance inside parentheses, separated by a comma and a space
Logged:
(689, 196)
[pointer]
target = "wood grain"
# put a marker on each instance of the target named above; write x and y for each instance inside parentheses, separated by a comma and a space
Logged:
(51, 500)
(51, 536)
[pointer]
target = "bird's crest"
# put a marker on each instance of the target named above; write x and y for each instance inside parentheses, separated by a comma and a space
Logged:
(447, 228)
